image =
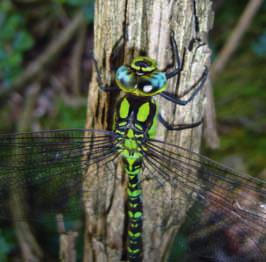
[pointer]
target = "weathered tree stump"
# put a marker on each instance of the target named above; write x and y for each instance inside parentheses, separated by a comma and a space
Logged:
(147, 25)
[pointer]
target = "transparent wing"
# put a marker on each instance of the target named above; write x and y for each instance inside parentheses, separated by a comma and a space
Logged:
(45, 171)
(228, 217)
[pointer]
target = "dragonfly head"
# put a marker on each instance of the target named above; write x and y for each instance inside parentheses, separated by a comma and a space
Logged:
(141, 77)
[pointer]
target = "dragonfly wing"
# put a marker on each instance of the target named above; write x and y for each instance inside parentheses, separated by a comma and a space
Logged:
(223, 200)
(48, 169)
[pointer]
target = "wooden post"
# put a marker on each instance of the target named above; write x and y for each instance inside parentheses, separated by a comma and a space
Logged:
(148, 25)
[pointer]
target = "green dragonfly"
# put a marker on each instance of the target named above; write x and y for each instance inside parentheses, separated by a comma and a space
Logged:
(52, 166)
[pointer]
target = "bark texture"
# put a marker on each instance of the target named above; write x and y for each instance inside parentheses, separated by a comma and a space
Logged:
(148, 25)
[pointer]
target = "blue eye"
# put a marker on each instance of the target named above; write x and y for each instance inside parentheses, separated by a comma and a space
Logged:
(131, 81)
(125, 77)
(153, 82)
(158, 80)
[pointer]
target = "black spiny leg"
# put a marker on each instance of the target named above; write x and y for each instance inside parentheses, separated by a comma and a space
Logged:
(197, 87)
(176, 56)
(178, 127)
(102, 86)
(118, 51)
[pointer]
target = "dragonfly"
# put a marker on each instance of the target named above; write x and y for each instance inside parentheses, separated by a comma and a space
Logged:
(53, 165)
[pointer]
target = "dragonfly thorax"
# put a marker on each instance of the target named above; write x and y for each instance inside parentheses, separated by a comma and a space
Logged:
(136, 118)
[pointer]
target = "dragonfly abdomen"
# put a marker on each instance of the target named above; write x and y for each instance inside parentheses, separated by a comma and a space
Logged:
(135, 208)
(133, 158)
(134, 122)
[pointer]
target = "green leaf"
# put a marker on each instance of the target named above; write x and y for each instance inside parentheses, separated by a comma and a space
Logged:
(89, 13)
(23, 41)
(5, 248)
(60, 1)
(14, 59)
(10, 27)
(15, 21)
(2, 18)
(3, 55)
(76, 2)
(6, 6)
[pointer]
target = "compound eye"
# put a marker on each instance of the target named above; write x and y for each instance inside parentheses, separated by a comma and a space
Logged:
(157, 80)
(125, 77)
(152, 83)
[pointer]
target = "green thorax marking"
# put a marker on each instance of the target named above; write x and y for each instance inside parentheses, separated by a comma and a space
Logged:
(138, 115)
(124, 108)
(143, 112)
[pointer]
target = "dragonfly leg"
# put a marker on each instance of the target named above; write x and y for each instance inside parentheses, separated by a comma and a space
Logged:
(178, 127)
(178, 66)
(118, 51)
(103, 87)
(196, 87)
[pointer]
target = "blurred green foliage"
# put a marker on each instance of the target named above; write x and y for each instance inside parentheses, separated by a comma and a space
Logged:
(16, 37)
(15, 40)
(66, 117)
(86, 5)
(259, 45)
(240, 88)
(240, 95)
(7, 240)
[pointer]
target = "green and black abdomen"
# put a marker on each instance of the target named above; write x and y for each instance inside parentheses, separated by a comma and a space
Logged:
(135, 121)
(135, 209)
